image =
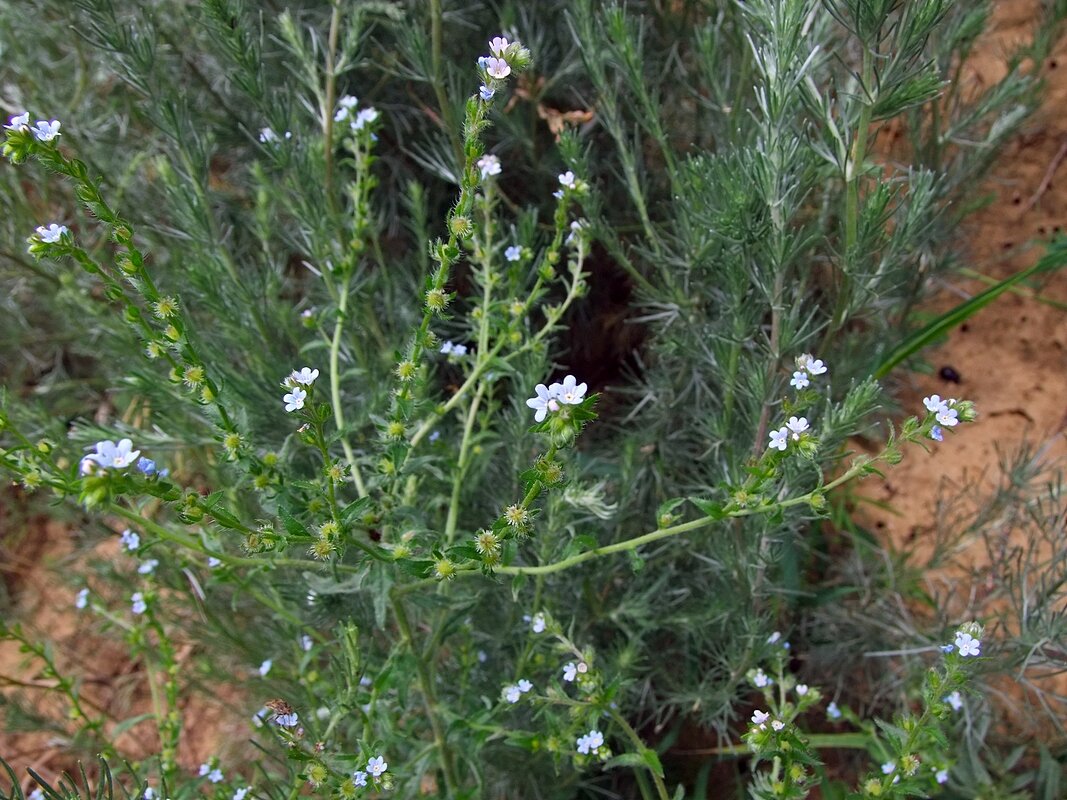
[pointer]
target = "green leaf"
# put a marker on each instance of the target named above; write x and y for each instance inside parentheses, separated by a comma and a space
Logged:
(1053, 260)
(709, 507)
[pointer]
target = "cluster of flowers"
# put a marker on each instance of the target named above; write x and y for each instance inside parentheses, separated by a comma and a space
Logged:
(944, 412)
(495, 66)
(376, 767)
(295, 397)
(42, 130)
(807, 368)
(590, 743)
(360, 119)
(451, 349)
(549, 398)
(515, 692)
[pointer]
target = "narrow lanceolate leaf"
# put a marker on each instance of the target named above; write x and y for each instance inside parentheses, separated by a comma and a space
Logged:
(1053, 260)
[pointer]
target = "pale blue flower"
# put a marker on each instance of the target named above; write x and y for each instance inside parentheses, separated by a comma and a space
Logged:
(800, 380)
(497, 68)
(81, 600)
(498, 45)
(359, 778)
(138, 604)
(376, 766)
(967, 644)
(264, 668)
(19, 122)
(779, 438)
(486, 93)
(294, 400)
(148, 567)
(45, 131)
(305, 376)
(513, 253)
(52, 233)
(489, 165)
(130, 540)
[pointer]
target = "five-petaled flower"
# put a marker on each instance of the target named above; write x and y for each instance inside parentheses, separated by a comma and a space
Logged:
(779, 438)
(489, 165)
(954, 700)
(967, 644)
(110, 455)
(294, 400)
(19, 122)
(570, 672)
(130, 540)
(52, 233)
(45, 131)
(376, 766)
(543, 402)
(570, 392)
(800, 380)
(359, 778)
(797, 426)
(497, 68)
(568, 180)
(365, 117)
(486, 93)
(306, 376)
(759, 718)
(812, 365)
(513, 253)
(537, 624)
(498, 45)
(512, 694)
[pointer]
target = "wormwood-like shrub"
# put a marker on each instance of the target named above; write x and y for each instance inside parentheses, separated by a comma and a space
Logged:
(329, 364)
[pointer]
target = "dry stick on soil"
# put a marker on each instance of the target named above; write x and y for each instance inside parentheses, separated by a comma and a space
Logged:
(1046, 182)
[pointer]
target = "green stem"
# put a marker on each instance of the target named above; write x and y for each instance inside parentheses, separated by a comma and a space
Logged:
(328, 104)
(631, 734)
(461, 466)
(335, 390)
(429, 697)
(447, 117)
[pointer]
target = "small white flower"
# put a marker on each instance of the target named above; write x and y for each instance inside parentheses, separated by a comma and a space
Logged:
(306, 643)
(570, 672)
(52, 233)
(489, 165)
(81, 600)
(569, 392)
(777, 724)
(267, 136)
(513, 253)
(759, 718)
(486, 93)
(576, 231)
(567, 179)
(832, 711)
(814, 366)
(459, 350)
(779, 437)
(148, 567)
(215, 776)
(524, 686)
(365, 681)
(240, 794)
(36, 794)
(967, 644)
(322, 713)
(213, 562)
(544, 402)
(376, 766)
(774, 637)
(941, 776)
(934, 403)
(797, 426)
(498, 45)
(204, 770)
(512, 694)
(19, 122)
(138, 604)
(45, 131)
(761, 679)
(130, 540)
(365, 117)
(955, 701)
(447, 347)
(108, 455)
(264, 668)
(538, 623)
(949, 417)
(348, 102)
(888, 767)
(497, 68)
(582, 668)
(359, 778)
(295, 399)
(259, 717)
(482, 656)
(149, 793)
(802, 689)
(306, 376)
(800, 380)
